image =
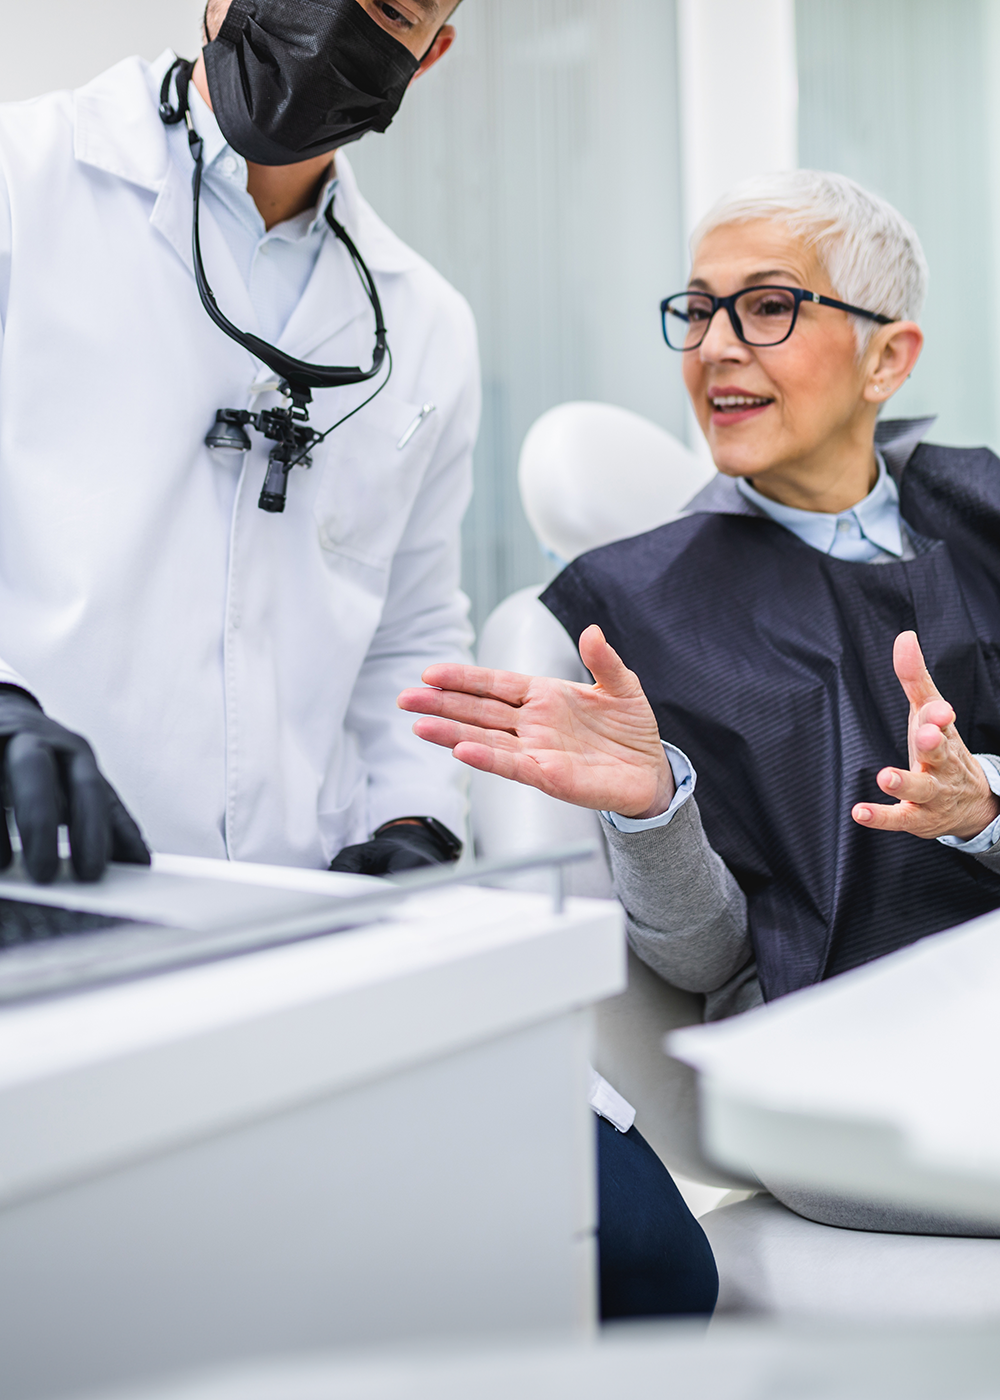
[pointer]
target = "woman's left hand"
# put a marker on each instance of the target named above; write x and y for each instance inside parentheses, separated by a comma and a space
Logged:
(944, 792)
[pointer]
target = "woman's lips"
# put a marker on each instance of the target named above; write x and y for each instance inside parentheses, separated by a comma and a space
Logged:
(732, 406)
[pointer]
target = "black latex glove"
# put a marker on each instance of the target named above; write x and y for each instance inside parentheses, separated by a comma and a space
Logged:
(51, 779)
(396, 848)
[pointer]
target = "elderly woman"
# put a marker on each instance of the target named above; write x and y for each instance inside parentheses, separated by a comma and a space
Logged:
(748, 647)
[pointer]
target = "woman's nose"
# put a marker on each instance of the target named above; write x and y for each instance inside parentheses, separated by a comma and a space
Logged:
(721, 341)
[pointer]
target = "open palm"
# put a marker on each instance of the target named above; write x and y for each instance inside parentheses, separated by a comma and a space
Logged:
(595, 746)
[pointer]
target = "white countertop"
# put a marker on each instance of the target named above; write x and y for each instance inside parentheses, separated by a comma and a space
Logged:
(100, 1078)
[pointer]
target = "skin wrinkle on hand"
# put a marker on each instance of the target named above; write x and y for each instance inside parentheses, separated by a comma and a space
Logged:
(597, 746)
(945, 791)
(810, 445)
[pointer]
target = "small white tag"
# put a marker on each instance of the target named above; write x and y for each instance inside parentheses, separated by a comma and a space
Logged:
(264, 386)
(609, 1104)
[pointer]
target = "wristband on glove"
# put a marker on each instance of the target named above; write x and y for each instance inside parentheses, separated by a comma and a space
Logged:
(405, 843)
(451, 846)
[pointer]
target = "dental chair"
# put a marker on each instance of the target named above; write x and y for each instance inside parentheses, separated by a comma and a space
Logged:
(590, 474)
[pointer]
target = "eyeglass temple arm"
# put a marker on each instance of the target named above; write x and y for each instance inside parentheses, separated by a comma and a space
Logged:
(854, 310)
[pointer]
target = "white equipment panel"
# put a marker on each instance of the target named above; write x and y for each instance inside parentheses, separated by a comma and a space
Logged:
(882, 1083)
(735, 1361)
(359, 1138)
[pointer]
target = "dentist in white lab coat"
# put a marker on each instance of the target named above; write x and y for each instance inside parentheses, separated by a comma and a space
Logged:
(232, 673)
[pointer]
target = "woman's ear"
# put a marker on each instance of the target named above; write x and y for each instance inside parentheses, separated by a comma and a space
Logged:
(891, 359)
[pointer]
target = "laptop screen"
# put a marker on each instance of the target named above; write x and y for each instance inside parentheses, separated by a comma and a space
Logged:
(21, 922)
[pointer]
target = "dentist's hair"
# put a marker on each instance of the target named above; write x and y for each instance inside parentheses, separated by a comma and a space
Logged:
(870, 253)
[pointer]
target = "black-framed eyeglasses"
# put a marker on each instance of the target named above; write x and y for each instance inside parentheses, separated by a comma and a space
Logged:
(760, 316)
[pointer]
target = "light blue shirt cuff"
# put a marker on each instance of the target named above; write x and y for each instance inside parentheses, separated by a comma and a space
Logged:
(685, 779)
(988, 838)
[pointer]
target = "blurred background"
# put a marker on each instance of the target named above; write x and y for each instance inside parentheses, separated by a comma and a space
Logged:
(553, 164)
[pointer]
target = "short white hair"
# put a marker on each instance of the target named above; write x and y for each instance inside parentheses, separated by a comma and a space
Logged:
(870, 253)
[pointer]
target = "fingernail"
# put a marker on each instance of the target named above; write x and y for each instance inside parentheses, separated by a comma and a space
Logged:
(892, 782)
(862, 814)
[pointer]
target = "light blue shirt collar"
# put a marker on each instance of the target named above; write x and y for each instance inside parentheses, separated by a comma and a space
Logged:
(875, 519)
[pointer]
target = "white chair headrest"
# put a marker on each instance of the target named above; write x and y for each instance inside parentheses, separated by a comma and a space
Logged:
(591, 473)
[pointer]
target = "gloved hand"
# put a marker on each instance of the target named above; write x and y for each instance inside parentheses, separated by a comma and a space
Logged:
(51, 778)
(406, 844)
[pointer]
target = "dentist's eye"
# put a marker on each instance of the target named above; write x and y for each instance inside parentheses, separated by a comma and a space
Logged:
(394, 17)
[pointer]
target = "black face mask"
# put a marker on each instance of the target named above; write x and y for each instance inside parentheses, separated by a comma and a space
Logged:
(291, 79)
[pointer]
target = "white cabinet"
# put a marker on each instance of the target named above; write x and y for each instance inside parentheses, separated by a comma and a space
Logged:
(373, 1136)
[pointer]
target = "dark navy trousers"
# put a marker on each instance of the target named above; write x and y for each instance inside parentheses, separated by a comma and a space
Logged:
(655, 1260)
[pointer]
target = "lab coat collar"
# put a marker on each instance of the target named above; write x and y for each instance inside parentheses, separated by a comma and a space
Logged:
(381, 249)
(324, 310)
(118, 130)
(172, 213)
(117, 127)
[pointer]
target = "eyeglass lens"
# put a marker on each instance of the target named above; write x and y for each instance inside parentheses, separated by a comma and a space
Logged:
(766, 314)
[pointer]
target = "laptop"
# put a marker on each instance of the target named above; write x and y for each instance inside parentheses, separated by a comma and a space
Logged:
(65, 937)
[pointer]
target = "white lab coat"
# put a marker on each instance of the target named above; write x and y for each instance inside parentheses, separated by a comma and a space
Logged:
(235, 671)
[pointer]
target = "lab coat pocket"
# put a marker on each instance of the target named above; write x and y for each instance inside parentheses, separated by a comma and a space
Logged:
(371, 474)
(346, 825)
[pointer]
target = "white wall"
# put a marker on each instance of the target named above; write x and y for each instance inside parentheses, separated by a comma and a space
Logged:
(538, 168)
(47, 44)
(913, 113)
(738, 95)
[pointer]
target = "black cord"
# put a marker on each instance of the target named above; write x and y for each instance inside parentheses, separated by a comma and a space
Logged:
(181, 70)
(295, 374)
(323, 436)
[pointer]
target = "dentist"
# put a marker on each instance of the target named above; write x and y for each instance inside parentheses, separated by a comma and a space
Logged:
(234, 671)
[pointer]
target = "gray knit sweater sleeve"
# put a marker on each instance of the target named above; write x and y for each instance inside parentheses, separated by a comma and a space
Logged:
(687, 916)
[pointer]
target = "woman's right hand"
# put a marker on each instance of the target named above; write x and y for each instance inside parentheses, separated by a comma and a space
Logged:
(595, 746)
